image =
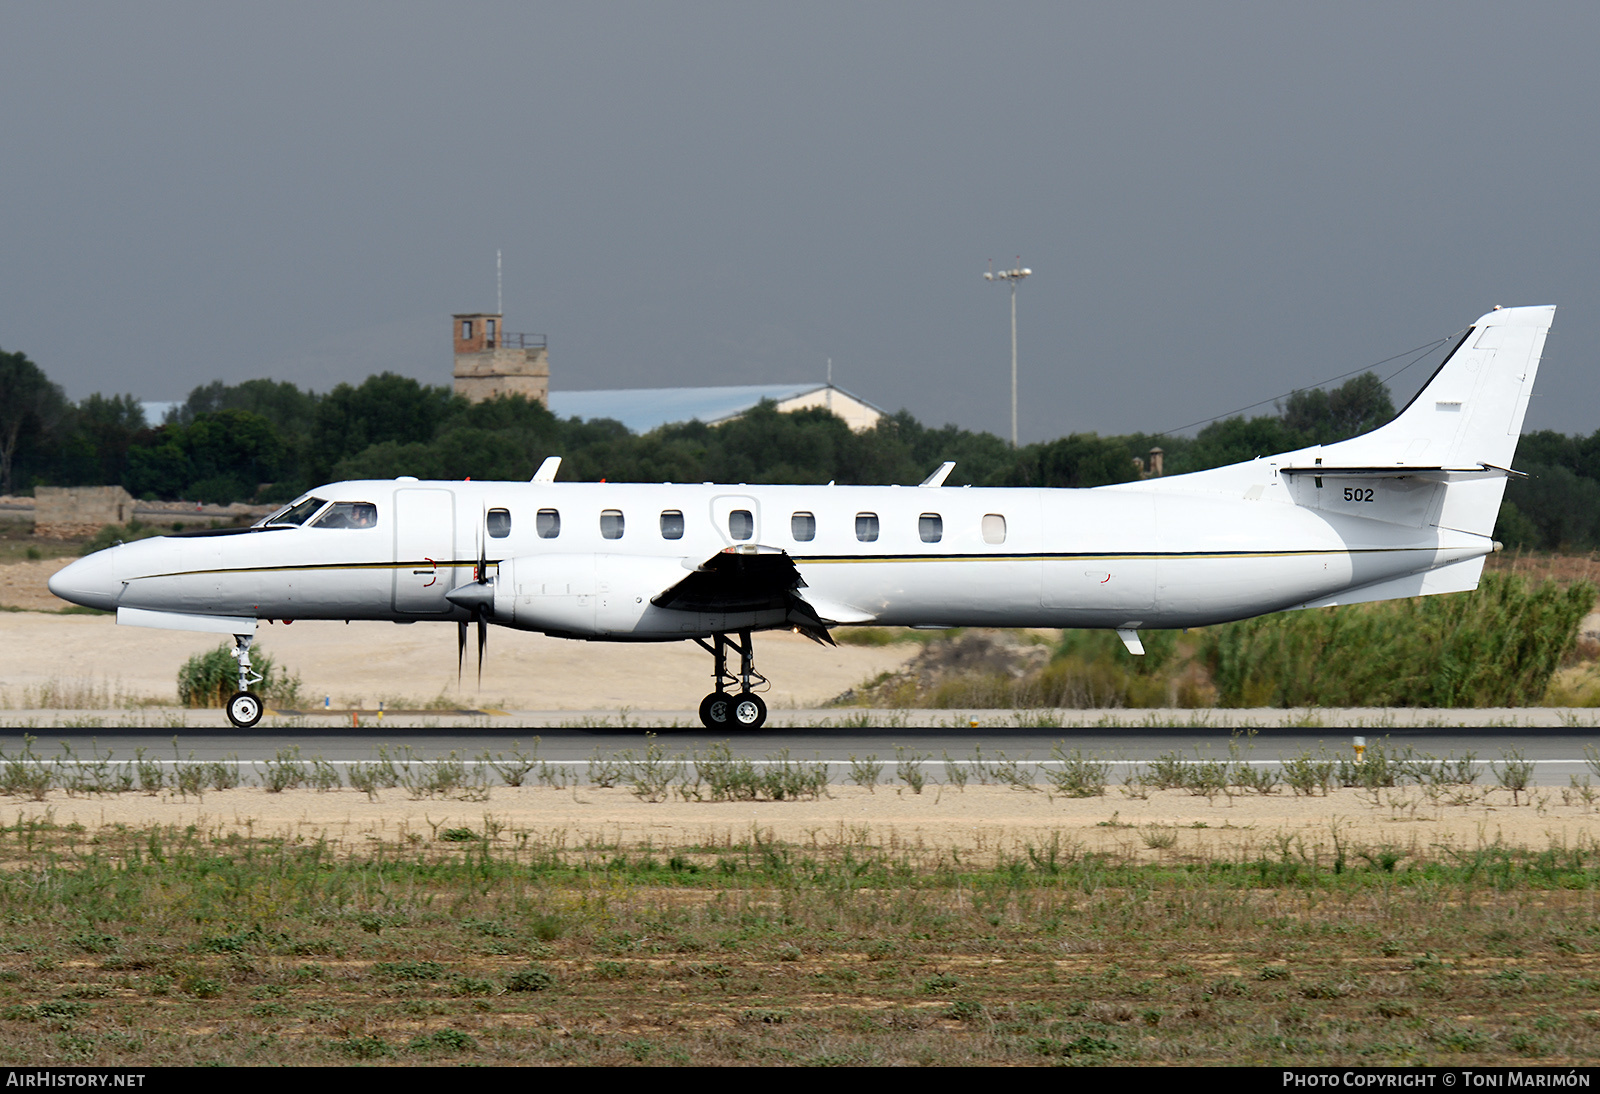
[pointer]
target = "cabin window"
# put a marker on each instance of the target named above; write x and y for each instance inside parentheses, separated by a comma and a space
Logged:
(741, 525)
(548, 523)
(297, 514)
(499, 523)
(803, 527)
(349, 514)
(672, 524)
(867, 527)
(994, 528)
(611, 523)
(930, 526)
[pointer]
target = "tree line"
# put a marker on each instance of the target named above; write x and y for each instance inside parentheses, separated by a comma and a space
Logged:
(268, 441)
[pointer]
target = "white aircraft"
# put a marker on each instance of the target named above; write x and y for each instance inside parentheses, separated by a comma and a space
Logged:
(1405, 510)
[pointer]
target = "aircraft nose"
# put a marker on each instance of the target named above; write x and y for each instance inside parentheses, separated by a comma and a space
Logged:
(90, 581)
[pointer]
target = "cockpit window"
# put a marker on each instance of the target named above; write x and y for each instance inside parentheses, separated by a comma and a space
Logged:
(297, 513)
(349, 514)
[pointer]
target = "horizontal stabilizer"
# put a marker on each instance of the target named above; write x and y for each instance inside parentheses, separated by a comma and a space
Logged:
(183, 621)
(1398, 471)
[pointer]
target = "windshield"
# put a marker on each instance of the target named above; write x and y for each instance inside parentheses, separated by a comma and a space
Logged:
(349, 514)
(296, 513)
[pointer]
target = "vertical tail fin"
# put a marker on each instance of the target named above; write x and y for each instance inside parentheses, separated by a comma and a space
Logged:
(1468, 414)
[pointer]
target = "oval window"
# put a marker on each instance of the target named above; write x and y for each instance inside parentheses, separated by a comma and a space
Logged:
(994, 528)
(867, 527)
(498, 522)
(611, 523)
(672, 524)
(930, 526)
(548, 523)
(741, 525)
(803, 527)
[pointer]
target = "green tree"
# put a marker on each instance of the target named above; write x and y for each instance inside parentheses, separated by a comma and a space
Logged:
(385, 407)
(96, 437)
(1359, 405)
(31, 410)
(218, 457)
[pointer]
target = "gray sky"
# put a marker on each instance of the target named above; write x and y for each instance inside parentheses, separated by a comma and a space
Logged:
(1220, 201)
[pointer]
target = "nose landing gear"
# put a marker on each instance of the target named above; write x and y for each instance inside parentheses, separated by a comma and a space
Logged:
(244, 707)
(744, 710)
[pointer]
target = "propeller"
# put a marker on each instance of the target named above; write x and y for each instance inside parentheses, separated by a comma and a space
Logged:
(478, 598)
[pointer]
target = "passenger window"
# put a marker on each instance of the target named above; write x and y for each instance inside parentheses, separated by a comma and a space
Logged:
(548, 523)
(672, 524)
(803, 527)
(741, 525)
(994, 528)
(499, 523)
(349, 514)
(867, 527)
(611, 523)
(930, 526)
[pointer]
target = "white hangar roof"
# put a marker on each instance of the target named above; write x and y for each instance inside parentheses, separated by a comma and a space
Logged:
(642, 409)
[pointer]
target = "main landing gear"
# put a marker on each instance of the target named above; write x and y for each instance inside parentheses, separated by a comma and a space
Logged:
(244, 706)
(745, 710)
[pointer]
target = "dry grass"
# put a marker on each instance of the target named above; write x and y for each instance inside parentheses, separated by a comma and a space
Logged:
(494, 945)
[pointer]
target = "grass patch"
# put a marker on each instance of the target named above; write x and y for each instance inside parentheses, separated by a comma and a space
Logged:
(850, 951)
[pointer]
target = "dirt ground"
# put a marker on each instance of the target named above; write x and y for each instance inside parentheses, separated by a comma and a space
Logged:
(982, 821)
(359, 664)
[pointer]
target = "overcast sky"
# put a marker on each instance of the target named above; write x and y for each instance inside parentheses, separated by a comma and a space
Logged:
(1220, 202)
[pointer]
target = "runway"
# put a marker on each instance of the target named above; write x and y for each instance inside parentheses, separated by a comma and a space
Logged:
(1557, 754)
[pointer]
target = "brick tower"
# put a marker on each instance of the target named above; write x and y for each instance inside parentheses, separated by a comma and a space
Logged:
(491, 363)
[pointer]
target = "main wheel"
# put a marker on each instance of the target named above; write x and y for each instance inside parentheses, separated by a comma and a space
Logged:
(716, 710)
(749, 711)
(244, 709)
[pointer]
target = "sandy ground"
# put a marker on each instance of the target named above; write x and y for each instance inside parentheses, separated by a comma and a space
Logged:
(359, 664)
(981, 820)
(25, 585)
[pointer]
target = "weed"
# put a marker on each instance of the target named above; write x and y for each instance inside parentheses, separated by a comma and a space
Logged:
(1077, 776)
(1514, 773)
(866, 772)
(955, 774)
(908, 768)
(530, 979)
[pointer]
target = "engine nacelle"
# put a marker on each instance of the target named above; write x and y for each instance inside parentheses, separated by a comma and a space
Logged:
(605, 596)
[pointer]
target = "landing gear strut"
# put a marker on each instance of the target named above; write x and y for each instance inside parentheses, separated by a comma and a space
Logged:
(744, 710)
(244, 706)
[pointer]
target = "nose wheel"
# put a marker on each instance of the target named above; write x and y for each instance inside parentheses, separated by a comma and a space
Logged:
(743, 710)
(244, 707)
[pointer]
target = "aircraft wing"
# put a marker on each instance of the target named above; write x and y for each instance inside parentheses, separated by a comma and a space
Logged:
(747, 579)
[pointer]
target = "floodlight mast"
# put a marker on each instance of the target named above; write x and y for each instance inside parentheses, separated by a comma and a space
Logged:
(1012, 276)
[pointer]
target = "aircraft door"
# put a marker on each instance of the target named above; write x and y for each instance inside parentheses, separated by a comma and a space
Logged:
(736, 518)
(424, 547)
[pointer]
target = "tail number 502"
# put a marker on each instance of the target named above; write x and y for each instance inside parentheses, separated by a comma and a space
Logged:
(1358, 493)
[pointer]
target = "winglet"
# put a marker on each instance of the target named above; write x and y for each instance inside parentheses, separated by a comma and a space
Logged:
(938, 477)
(547, 470)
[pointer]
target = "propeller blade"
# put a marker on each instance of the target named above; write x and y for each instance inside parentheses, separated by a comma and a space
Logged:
(483, 639)
(461, 648)
(483, 552)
